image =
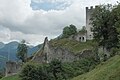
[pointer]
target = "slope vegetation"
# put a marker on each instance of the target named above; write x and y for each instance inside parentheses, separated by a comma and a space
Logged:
(14, 77)
(109, 70)
(72, 45)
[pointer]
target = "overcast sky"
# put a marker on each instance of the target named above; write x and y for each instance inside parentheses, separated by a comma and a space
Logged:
(33, 20)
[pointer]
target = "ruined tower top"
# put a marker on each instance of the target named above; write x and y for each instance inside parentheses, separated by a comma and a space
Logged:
(89, 11)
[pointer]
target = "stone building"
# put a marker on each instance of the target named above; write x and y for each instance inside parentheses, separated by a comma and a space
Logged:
(81, 37)
(12, 68)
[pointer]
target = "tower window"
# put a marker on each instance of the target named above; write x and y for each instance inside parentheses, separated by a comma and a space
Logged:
(80, 38)
(83, 38)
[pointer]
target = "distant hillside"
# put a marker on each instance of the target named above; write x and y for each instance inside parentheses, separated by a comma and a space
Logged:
(1, 45)
(11, 50)
(109, 70)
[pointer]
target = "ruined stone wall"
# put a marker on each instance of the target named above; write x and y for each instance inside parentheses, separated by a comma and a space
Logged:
(62, 54)
(48, 53)
(12, 68)
(79, 37)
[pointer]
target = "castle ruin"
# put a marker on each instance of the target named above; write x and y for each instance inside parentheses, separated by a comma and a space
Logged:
(88, 35)
(48, 53)
(88, 23)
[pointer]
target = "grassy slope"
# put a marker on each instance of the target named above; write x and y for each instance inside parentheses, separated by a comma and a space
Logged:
(110, 70)
(72, 45)
(15, 77)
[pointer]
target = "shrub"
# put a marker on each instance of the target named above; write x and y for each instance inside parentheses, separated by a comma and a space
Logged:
(32, 71)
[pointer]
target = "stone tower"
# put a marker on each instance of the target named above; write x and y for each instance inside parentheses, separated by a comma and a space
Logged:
(88, 21)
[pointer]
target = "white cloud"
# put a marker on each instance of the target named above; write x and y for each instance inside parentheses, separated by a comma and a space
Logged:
(19, 21)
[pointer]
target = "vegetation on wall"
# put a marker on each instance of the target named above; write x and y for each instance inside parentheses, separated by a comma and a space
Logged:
(72, 45)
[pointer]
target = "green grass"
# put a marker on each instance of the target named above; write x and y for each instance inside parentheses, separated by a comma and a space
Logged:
(72, 45)
(109, 70)
(15, 77)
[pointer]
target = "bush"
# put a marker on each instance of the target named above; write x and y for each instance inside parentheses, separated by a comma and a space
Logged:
(32, 71)
(51, 71)
(114, 51)
(79, 67)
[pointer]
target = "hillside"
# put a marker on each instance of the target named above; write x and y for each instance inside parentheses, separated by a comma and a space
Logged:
(109, 70)
(72, 45)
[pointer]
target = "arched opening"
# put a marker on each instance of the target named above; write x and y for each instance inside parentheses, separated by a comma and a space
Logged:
(79, 38)
(83, 38)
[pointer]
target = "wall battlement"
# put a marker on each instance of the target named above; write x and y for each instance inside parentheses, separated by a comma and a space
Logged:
(91, 7)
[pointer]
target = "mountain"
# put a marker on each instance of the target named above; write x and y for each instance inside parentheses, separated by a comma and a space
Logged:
(1, 45)
(9, 51)
(109, 70)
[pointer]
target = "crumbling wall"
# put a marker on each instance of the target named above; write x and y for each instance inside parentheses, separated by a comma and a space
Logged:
(78, 37)
(48, 53)
(12, 68)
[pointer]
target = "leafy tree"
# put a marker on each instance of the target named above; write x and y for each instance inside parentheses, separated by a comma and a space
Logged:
(115, 17)
(34, 71)
(69, 30)
(66, 32)
(57, 70)
(104, 31)
(73, 29)
(22, 51)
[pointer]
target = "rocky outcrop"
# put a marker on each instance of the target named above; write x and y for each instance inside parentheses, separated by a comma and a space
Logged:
(48, 53)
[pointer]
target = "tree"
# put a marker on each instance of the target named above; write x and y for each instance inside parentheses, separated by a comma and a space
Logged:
(22, 51)
(115, 16)
(57, 70)
(104, 31)
(69, 30)
(66, 32)
(34, 71)
(73, 29)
